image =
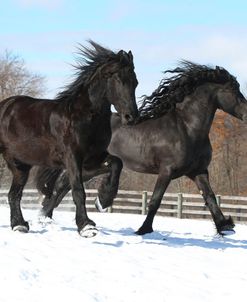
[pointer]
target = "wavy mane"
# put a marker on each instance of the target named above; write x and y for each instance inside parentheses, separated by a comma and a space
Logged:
(184, 80)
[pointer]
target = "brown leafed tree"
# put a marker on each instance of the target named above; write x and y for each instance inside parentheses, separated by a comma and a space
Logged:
(229, 163)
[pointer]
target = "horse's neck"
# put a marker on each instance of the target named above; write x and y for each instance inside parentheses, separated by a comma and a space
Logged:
(83, 104)
(103, 109)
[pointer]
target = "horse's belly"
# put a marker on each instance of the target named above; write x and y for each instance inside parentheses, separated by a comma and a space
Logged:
(33, 153)
(141, 168)
(140, 163)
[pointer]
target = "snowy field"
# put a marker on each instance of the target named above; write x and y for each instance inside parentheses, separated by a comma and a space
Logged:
(183, 260)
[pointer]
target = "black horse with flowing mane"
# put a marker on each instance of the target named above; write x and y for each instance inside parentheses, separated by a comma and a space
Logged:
(171, 139)
(72, 131)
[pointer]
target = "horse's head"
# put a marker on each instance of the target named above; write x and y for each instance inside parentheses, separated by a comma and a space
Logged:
(115, 80)
(231, 100)
(121, 87)
(216, 83)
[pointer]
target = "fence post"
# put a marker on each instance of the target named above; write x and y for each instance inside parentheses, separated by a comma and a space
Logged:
(110, 210)
(180, 205)
(218, 200)
(144, 202)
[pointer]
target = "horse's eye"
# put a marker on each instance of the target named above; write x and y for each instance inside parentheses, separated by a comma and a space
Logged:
(107, 75)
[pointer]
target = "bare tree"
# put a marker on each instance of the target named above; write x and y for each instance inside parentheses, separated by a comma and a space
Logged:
(16, 79)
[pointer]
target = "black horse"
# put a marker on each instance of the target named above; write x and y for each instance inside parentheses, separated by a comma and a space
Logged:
(171, 140)
(72, 131)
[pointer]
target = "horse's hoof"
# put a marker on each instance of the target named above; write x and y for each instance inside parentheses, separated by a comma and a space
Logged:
(227, 232)
(227, 228)
(20, 228)
(99, 206)
(45, 220)
(143, 231)
(88, 231)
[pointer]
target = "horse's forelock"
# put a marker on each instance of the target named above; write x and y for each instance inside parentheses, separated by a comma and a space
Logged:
(89, 62)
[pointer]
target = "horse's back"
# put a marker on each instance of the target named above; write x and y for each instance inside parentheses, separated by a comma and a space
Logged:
(25, 129)
(7, 113)
(22, 112)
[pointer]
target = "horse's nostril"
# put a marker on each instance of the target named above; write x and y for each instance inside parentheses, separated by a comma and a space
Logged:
(129, 118)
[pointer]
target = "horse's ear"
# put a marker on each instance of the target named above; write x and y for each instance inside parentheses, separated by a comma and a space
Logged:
(121, 52)
(130, 56)
(123, 56)
(220, 69)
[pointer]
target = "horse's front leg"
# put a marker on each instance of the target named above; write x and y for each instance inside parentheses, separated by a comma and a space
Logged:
(223, 225)
(86, 227)
(109, 185)
(162, 183)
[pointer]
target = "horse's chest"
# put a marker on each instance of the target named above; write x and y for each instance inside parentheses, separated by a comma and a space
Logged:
(93, 136)
(192, 156)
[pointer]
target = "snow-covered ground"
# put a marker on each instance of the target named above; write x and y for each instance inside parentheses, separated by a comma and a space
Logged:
(182, 260)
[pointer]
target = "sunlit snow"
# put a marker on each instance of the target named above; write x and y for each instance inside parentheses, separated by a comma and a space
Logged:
(183, 260)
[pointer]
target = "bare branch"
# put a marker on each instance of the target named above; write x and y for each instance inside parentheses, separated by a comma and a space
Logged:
(16, 79)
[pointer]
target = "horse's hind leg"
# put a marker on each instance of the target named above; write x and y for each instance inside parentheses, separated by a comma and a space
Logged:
(57, 186)
(162, 183)
(45, 182)
(56, 189)
(20, 175)
(223, 225)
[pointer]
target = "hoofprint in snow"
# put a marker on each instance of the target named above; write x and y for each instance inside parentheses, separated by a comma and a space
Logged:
(183, 260)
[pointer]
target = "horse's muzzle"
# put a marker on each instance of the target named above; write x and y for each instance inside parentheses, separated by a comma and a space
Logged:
(128, 119)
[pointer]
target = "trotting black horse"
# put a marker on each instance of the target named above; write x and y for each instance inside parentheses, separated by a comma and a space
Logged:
(171, 140)
(72, 131)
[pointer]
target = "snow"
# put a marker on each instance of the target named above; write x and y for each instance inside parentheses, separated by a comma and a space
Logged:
(182, 260)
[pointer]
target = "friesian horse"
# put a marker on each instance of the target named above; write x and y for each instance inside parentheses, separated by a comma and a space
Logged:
(70, 132)
(171, 139)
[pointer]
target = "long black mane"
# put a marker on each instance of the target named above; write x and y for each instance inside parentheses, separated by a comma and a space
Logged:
(172, 90)
(88, 61)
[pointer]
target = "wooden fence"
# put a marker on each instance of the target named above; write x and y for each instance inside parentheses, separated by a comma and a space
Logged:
(179, 205)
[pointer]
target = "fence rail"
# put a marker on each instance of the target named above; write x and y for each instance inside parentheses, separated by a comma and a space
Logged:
(181, 205)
